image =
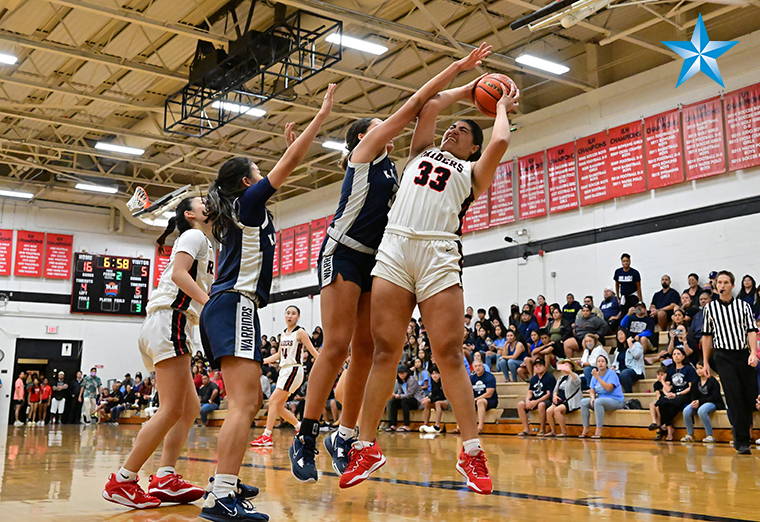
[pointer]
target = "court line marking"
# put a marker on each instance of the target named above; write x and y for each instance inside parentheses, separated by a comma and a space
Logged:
(451, 485)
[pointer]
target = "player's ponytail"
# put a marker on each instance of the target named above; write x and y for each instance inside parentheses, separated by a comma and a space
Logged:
(477, 139)
(178, 221)
(352, 138)
(222, 194)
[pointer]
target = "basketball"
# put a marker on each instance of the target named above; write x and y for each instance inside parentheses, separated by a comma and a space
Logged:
(488, 92)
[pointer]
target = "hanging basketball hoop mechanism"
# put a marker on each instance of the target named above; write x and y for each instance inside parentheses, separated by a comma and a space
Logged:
(139, 201)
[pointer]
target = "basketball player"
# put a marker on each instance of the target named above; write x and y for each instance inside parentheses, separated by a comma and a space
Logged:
(230, 331)
(419, 262)
(345, 263)
(292, 342)
(166, 345)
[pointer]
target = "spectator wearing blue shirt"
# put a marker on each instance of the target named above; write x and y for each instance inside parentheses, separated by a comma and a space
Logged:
(627, 284)
(629, 362)
(525, 371)
(484, 389)
(512, 356)
(664, 303)
(422, 376)
(694, 335)
(478, 357)
(605, 394)
(527, 324)
(611, 310)
(571, 309)
(539, 398)
(640, 325)
(499, 343)
(748, 293)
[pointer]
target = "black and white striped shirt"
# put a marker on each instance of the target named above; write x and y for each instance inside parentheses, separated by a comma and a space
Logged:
(728, 323)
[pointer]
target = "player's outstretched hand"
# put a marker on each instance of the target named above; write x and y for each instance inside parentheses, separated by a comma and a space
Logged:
(510, 100)
(290, 136)
(327, 103)
(476, 57)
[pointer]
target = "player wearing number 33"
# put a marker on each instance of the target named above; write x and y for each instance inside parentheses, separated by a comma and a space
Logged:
(165, 343)
(419, 262)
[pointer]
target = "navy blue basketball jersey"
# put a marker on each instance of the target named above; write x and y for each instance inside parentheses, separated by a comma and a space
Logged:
(247, 256)
(365, 200)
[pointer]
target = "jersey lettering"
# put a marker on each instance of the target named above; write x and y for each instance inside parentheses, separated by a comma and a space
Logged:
(439, 183)
(210, 267)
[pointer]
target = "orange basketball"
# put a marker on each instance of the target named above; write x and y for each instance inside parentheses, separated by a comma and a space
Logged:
(488, 92)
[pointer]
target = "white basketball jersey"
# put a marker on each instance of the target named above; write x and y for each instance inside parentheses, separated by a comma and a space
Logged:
(435, 192)
(168, 295)
(290, 348)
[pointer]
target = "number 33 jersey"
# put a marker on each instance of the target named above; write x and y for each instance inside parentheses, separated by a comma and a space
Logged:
(435, 193)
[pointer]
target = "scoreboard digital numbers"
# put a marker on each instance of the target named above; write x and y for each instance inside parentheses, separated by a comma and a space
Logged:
(110, 285)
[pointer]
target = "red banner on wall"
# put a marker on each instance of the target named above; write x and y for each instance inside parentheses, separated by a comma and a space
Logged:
(329, 220)
(626, 148)
(703, 139)
(302, 248)
(29, 252)
(502, 204)
(276, 263)
(162, 260)
(6, 252)
(58, 249)
(531, 186)
(743, 127)
(563, 187)
(476, 217)
(662, 133)
(593, 168)
(318, 230)
(287, 248)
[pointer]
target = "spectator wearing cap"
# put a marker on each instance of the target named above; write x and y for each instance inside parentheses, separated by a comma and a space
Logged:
(712, 285)
(571, 308)
(566, 398)
(641, 326)
(628, 360)
(587, 323)
(484, 390)
(605, 394)
(664, 302)
(539, 398)
(407, 396)
(627, 284)
(611, 310)
(589, 300)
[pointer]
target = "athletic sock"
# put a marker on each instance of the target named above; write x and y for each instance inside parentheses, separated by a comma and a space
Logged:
(297, 426)
(267, 433)
(166, 470)
(309, 427)
(361, 444)
(472, 447)
(345, 433)
(124, 475)
(224, 485)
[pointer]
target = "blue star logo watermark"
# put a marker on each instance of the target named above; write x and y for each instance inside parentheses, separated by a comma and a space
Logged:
(700, 54)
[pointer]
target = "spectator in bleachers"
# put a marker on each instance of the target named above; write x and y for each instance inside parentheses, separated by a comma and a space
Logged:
(480, 341)
(539, 398)
(514, 316)
(690, 308)
(424, 356)
(706, 399)
(209, 396)
(627, 284)
(712, 285)
(407, 395)
(525, 371)
(586, 324)
(748, 293)
(694, 289)
(678, 385)
(676, 338)
(317, 337)
(485, 323)
(640, 325)
(694, 334)
(527, 324)
(571, 309)
(493, 315)
(592, 350)
(664, 303)
(560, 330)
(468, 322)
(478, 357)
(422, 376)
(611, 310)
(484, 390)
(629, 362)
(499, 342)
(217, 379)
(146, 391)
(546, 348)
(542, 312)
(589, 300)
(512, 357)
(605, 394)
(566, 398)
(659, 393)
(437, 400)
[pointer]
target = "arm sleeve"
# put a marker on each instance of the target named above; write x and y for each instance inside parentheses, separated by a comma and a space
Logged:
(625, 321)
(251, 205)
(191, 242)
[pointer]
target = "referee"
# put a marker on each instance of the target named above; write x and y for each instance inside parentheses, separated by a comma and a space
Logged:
(729, 329)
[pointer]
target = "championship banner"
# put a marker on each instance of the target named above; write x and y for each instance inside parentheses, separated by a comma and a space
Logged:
(302, 253)
(29, 252)
(162, 261)
(6, 252)
(318, 229)
(563, 185)
(593, 169)
(743, 127)
(626, 148)
(703, 139)
(532, 186)
(58, 251)
(276, 263)
(476, 217)
(662, 134)
(501, 199)
(287, 247)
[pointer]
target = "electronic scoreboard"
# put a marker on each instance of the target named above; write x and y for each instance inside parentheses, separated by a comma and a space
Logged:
(110, 285)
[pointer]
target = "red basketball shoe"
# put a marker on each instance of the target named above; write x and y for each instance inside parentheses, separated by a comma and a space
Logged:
(474, 469)
(361, 464)
(262, 442)
(171, 488)
(128, 494)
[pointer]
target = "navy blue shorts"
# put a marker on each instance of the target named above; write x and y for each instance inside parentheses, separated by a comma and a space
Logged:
(229, 325)
(354, 266)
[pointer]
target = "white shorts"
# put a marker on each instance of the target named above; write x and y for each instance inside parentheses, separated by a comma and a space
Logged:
(57, 406)
(290, 379)
(420, 266)
(165, 333)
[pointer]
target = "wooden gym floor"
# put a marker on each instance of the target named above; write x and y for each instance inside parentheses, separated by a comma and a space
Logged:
(58, 474)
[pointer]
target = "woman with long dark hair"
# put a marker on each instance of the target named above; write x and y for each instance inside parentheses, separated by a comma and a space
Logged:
(345, 264)
(748, 293)
(230, 331)
(166, 345)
